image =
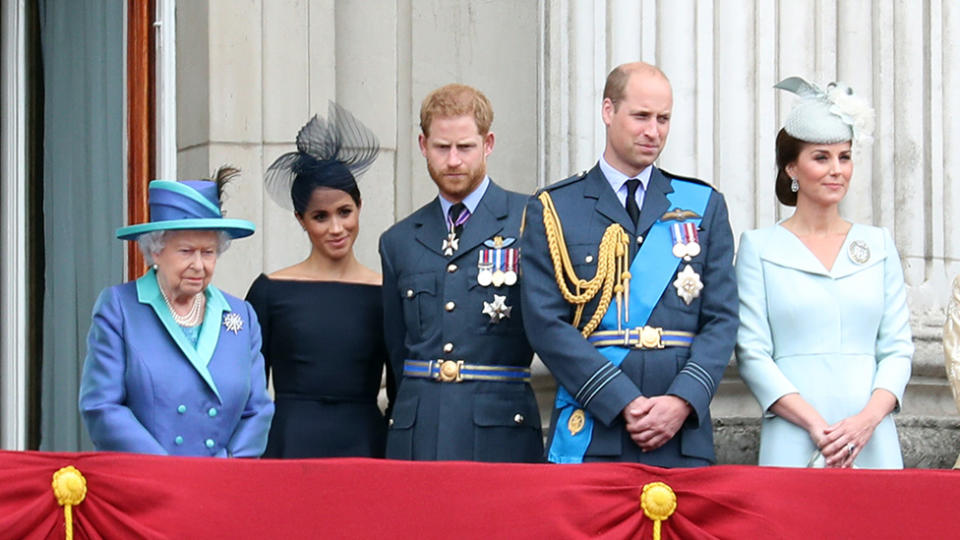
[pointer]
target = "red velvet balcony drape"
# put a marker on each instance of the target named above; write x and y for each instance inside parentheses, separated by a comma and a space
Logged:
(134, 496)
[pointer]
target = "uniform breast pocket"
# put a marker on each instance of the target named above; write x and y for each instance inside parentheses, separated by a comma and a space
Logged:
(506, 428)
(496, 310)
(418, 294)
(583, 257)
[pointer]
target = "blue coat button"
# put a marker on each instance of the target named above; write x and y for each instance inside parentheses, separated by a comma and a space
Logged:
(210, 443)
(182, 409)
(178, 440)
(212, 412)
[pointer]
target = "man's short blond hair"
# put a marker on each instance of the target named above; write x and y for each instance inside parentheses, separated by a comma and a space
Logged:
(456, 100)
(616, 84)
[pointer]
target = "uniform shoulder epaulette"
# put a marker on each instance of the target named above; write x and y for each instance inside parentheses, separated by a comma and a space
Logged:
(672, 176)
(566, 181)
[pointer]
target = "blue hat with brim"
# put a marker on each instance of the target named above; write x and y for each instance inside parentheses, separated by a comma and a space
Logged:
(186, 205)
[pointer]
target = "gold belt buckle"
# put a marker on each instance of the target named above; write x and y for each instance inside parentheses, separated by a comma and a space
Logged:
(651, 337)
(449, 370)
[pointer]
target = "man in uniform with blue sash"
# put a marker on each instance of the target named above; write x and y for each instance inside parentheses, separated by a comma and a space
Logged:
(629, 294)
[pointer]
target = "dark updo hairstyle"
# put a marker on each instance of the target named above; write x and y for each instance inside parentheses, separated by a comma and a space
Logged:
(331, 153)
(312, 174)
(788, 150)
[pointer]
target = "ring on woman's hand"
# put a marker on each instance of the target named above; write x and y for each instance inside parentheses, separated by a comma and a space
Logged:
(850, 448)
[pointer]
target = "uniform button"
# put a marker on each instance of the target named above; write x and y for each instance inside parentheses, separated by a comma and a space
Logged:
(209, 443)
(589, 259)
(409, 293)
(640, 239)
(178, 439)
(448, 347)
(518, 418)
(212, 412)
(182, 409)
(451, 268)
(449, 306)
(390, 422)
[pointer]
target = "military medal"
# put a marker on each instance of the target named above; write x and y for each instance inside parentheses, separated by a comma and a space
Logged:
(485, 268)
(679, 243)
(510, 275)
(498, 309)
(498, 275)
(686, 240)
(693, 239)
(688, 284)
(451, 244)
(233, 322)
(859, 252)
(576, 422)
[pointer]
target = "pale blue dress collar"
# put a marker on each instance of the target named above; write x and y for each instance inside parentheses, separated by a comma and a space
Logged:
(789, 251)
(148, 292)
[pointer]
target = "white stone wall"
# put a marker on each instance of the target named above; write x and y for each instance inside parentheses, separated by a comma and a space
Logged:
(724, 57)
(250, 72)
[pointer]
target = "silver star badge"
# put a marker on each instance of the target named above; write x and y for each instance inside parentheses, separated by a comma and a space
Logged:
(688, 284)
(450, 244)
(498, 309)
(232, 322)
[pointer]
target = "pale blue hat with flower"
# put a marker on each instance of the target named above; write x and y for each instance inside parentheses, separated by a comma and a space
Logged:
(827, 116)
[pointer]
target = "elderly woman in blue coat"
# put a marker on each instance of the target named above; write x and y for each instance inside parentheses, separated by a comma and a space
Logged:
(824, 341)
(173, 364)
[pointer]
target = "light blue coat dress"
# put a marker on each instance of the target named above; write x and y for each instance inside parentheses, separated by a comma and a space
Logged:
(147, 389)
(833, 336)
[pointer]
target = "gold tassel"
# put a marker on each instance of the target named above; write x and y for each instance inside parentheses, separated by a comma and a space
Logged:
(70, 488)
(658, 502)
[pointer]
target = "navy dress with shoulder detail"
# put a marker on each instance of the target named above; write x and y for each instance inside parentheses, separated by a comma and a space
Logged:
(324, 342)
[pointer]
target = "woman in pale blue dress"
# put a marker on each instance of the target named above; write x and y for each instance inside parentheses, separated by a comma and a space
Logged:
(824, 341)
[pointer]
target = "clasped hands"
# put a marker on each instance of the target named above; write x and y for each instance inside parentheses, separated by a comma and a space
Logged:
(842, 442)
(652, 421)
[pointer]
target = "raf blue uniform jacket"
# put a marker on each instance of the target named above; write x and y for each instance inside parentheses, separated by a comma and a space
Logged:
(431, 301)
(146, 389)
(586, 206)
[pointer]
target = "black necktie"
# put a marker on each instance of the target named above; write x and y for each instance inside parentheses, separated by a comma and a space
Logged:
(455, 217)
(632, 209)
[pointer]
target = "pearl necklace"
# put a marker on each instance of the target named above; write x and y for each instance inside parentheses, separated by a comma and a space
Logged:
(193, 317)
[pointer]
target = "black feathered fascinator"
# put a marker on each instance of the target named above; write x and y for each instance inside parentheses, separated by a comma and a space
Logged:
(331, 153)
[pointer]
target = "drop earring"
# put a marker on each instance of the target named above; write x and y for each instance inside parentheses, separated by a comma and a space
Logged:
(794, 185)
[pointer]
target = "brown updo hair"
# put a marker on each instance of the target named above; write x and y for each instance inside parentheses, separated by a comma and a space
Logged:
(788, 150)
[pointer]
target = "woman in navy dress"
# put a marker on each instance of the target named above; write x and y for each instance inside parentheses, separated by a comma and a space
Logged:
(322, 319)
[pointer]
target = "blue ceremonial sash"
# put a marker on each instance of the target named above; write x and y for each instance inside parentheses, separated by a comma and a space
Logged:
(652, 269)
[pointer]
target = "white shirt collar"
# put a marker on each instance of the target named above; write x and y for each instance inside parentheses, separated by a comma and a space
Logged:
(617, 179)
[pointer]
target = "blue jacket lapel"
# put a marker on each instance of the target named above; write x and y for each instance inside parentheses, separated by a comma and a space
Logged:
(431, 227)
(148, 292)
(655, 202)
(608, 204)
